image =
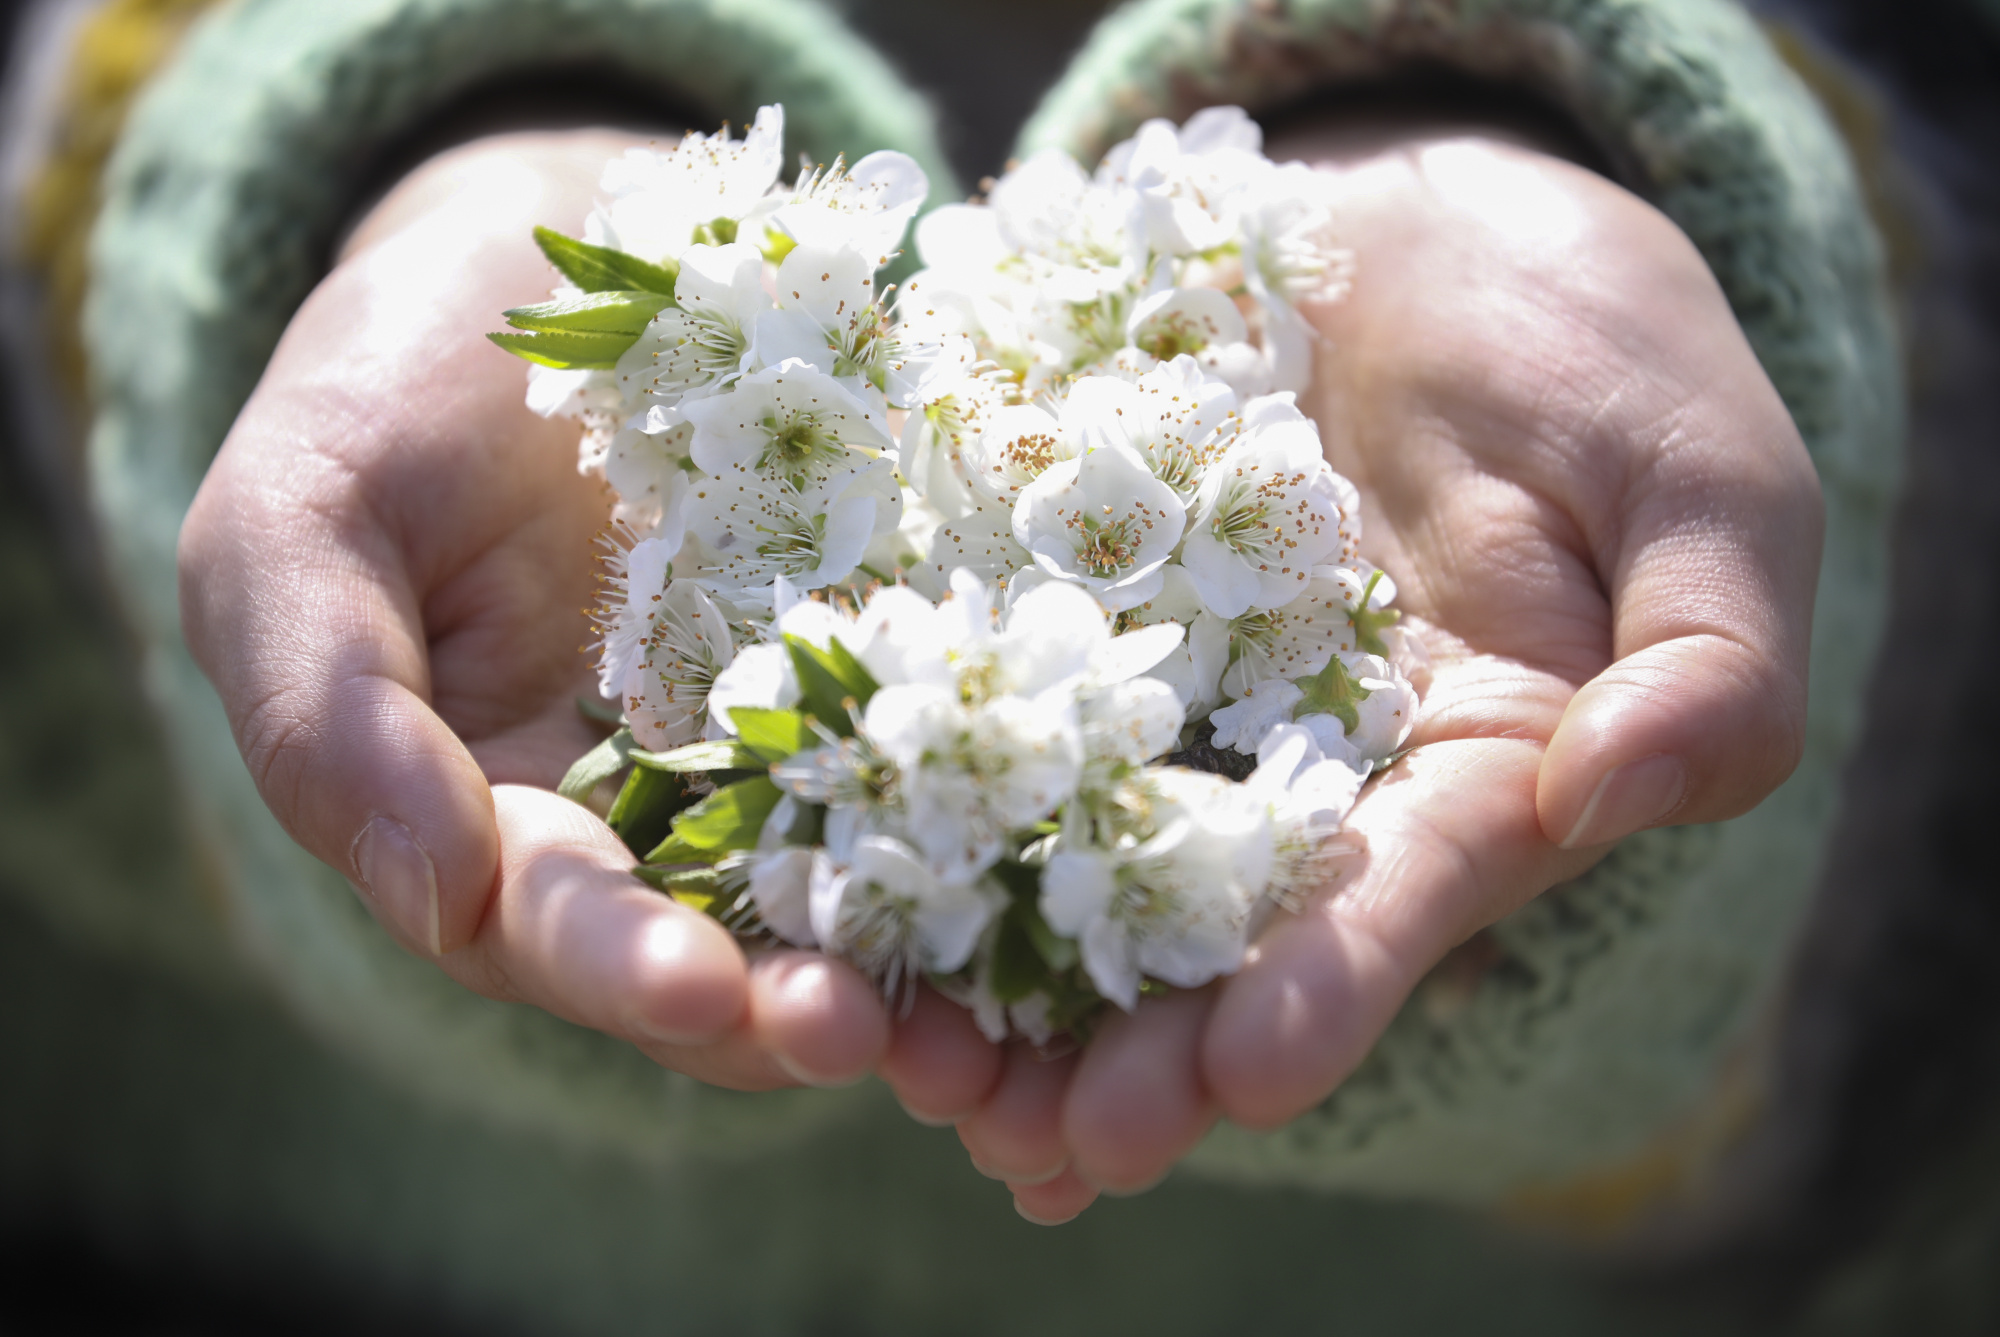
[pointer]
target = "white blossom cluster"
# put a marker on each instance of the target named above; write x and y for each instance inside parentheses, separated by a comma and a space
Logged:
(929, 587)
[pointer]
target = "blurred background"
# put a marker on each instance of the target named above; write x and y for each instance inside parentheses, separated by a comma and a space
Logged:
(178, 1155)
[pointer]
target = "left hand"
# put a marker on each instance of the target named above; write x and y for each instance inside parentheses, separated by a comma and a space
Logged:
(1606, 528)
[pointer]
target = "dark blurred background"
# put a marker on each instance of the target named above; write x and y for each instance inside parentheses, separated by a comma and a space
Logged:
(1871, 1190)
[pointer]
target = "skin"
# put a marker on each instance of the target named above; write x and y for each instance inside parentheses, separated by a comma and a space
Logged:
(1601, 520)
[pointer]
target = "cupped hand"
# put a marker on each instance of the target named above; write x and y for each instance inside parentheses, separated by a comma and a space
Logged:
(385, 574)
(1605, 528)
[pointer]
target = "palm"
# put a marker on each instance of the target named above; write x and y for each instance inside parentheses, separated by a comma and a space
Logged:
(1584, 488)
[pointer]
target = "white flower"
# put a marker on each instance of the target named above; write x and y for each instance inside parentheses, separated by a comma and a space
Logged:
(1385, 716)
(637, 578)
(1175, 906)
(701, 344)
(760, 676)
(1170, 415)
(979, 540)
(1187, 179)
(791, 421)
(1103, 521)
(889, 914)
(1018, 444)
(827, 315)
(1203, 324)
(572, 392)
(1270, 510)
(1194, 666)
(666, 690)
(781, 879)
(1295, 640)
(1129, 723)
(1047, 209)
(1054, 639)
(647, 465)
(658, 199)
(755, 529)
(1290, 256)
(1263, 706)
(973, 775)
(864, 207)
(1309, 795)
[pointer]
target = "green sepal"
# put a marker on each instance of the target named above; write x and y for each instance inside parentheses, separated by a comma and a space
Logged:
(601, 269)
(828, 680)
(773, 735)
(728, 819)
(778, 245)
(567, 350)
(612, 312)
(600, 712)
(1332, 691)
(716, 232)
(1368, 623)
(596, 766)
(722, 755)
(646, 807)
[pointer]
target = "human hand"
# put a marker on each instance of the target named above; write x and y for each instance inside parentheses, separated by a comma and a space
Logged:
(384, 573)
(1605, 528)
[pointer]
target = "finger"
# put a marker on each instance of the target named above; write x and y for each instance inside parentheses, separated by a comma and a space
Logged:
(1138, 1103)
(818, 1019)
(572, 932)
(939, 1065)
(1453, 843)
(805, 1026)
(1017, 1134)
(1708, 545)
(1055, 1201)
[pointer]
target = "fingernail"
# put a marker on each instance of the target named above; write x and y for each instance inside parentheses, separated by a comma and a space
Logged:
(1026, 1181)
(1125, 1190)
(1633, 797)
(1034, 1220)
(399, 877)
(806, 1077)
(927, 1120)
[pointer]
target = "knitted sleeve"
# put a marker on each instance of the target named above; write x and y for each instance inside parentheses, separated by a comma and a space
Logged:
(1577, 1052)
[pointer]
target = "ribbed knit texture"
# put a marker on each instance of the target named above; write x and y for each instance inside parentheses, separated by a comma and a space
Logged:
(1616, 994)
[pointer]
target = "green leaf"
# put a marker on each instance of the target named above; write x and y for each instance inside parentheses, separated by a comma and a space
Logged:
(674, 850)
(600, 712)
(828, 680)
(773, 735)
(611, 312)
(1332, 691)
(601, 269)
(596, 766)
(566, 350)
(724, 755)
(1059, 952)
(1017, 967)
(645, 809)
(728, 819)
(705, 880)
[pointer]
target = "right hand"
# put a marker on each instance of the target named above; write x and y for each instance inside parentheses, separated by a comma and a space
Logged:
(384, 575)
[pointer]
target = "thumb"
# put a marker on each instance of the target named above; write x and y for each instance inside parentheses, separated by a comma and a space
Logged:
(1702, 714)
(298, 609)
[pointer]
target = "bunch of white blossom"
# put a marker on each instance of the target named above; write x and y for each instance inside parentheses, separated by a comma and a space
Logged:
(1010, 632)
